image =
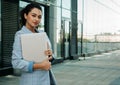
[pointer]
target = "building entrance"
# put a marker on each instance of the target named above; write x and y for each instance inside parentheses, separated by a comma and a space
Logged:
(65, 46)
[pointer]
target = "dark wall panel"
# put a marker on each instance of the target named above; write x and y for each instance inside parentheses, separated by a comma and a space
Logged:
(73, 41)
(10, 25)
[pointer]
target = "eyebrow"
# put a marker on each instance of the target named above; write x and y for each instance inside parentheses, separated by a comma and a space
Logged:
(36, 14)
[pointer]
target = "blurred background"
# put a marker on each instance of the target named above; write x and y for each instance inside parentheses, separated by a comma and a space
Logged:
(76, 28)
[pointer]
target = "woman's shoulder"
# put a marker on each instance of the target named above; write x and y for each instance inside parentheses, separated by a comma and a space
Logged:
(23, 30)
(19, 32)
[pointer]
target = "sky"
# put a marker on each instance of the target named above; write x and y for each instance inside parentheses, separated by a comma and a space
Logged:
(101, 16)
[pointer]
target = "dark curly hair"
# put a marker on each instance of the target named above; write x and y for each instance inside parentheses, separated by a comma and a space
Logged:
(27, 9)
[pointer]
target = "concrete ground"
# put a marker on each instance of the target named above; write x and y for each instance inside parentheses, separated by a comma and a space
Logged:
(103, 69)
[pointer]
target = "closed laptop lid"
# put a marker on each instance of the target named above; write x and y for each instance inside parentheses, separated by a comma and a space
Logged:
(34, 46)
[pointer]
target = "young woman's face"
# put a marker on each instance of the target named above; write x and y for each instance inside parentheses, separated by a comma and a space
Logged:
(33, 18)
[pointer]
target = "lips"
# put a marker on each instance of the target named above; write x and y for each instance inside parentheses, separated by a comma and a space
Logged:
(35, 23)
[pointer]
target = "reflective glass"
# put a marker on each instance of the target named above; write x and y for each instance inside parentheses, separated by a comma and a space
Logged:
(66, 21)
(66, 13)
(79, 36)
(0, 33)
(67, 37)
(58, 2)
(39, 0)
(0, 23)
(58, 38)
(80, 10)
(80, 23)
(66, 4)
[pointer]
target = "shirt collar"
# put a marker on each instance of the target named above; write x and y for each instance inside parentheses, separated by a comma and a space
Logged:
(26, 30)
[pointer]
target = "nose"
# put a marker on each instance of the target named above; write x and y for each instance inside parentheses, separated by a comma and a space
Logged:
(37, 19)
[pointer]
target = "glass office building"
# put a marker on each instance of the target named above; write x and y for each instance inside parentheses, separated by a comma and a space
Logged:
(70, 25)
(57, 19)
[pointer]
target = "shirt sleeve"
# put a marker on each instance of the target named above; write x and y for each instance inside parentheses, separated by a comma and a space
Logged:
(17, 60)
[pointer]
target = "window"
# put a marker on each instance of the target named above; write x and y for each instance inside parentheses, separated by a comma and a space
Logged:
(0, 33)
(66, 4)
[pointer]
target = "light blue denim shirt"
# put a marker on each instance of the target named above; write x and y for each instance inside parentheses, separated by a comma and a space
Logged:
(29, 76)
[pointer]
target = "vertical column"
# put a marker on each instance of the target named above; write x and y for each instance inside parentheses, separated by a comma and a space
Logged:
(73, 42)
(52, 25)
(0, 36)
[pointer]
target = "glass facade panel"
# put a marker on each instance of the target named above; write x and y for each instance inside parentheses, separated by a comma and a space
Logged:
(66, 13)
(58, 38)
(80, 25)
(80, 10)
(79, 37)
(39, 0)
(0, 34)
(67, 37)
(61, 13)
(0, 23)
(65, 30)
(66, 4)
(58, 3)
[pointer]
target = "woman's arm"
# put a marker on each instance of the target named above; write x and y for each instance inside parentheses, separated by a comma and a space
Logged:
(44, 65)
(17, 60)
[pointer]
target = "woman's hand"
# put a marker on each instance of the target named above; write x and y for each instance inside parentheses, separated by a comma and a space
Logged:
(48, 52)
(44, 65)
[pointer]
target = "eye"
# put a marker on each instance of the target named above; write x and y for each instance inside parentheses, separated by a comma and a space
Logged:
(40, 17)
(34, 15)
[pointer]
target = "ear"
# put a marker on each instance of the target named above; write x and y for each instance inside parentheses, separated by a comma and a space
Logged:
(25, 15)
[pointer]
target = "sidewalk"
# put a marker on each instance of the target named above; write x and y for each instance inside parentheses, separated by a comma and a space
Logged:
(101, 69)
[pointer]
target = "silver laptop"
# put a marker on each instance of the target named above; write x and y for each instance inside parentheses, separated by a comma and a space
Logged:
(34, 46)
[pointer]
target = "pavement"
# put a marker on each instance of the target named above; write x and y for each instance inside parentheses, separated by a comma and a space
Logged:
(102, 69)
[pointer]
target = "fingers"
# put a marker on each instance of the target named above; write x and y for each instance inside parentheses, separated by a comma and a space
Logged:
(46, 65)
(48, 52)
(50, 57)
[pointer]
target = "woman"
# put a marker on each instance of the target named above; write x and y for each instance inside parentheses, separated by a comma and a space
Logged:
(32, 73)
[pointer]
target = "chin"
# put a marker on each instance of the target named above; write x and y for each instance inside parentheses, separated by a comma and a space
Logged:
(35, 26)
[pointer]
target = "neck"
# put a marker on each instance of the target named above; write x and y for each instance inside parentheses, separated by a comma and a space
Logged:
(32, 29)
